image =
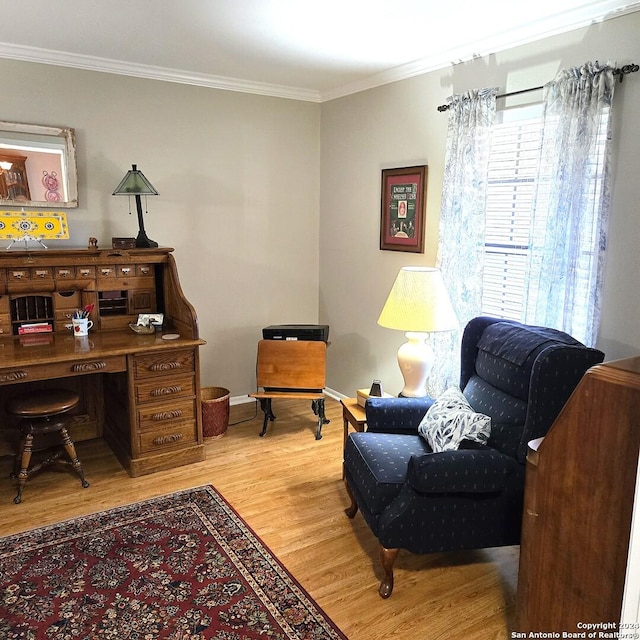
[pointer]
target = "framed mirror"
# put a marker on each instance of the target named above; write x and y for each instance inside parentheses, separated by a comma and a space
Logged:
(37, 166)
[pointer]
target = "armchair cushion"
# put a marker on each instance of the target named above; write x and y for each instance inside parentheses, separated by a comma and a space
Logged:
(507, 412)
(396, 415)
(377, 463)
(451, 419)
(481, 470)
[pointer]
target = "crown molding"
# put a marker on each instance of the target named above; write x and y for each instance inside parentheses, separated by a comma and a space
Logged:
(150, 72)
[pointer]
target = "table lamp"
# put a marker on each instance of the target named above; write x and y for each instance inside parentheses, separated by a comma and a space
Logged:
(135, 184)
(418, 304)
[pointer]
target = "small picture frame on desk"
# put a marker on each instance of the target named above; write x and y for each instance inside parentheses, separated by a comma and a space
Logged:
(403, 205)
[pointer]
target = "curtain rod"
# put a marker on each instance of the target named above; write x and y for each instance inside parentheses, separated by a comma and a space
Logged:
(622, 71)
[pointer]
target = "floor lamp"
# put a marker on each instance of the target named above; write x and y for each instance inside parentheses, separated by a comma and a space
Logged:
(418, 304)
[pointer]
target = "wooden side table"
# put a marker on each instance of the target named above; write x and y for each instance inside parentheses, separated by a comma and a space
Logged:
(352, 414)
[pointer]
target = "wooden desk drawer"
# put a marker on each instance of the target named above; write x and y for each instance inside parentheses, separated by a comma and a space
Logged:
(33, 273)
(172, 437)
(86, 272)
(65, 273)
(24, 280)
(163, 363)
(41, 273)
(106, 271)
(144, 270)
(18, 275)
(170, 387)
(125, 270)
(63, 369)
(154, 416)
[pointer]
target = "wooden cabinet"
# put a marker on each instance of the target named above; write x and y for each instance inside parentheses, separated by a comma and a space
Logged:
(579, 499)
(14, 184)
(142, 392)
(37, 286)
(153, 420)
(164, 409)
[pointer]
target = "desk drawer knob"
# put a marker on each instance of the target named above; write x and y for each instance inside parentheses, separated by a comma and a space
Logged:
(174, 437)
(12, 376)
(88, 366)
(166, 415)
(164, 366)
(165, 391)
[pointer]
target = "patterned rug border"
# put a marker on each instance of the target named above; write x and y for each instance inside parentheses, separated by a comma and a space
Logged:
(33, 539)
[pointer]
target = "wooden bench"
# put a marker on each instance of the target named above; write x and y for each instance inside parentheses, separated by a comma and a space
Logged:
(291, 369)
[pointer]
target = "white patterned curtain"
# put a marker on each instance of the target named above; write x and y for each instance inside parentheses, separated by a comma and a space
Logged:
(572, 203)
(462, 222)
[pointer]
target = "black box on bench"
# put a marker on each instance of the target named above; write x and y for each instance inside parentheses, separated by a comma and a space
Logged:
(296, 332)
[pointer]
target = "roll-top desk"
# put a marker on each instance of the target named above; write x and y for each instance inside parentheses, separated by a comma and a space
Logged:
(141, 393)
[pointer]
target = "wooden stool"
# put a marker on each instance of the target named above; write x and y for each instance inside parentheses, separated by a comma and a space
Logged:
(43, 411)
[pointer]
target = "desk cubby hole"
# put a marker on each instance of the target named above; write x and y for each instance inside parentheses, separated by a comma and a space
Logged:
(112, 303)
(28, 309)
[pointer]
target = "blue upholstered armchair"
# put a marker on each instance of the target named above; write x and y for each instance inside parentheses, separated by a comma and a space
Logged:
(470, 497)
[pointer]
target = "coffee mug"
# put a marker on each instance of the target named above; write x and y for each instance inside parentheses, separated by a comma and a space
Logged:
(81, 326)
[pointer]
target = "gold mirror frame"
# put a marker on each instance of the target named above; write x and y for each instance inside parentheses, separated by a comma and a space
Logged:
(19, 140)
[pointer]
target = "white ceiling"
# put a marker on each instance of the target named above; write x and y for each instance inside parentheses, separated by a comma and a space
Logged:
(304, 49)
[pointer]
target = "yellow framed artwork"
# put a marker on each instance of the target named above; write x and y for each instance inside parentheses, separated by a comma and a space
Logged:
(22, 226)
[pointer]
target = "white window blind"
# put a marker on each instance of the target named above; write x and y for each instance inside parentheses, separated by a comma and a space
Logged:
(515, 180)
(512, 175)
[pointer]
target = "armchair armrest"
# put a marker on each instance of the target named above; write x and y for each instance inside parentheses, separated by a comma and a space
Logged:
(396, 415)
(461, 471)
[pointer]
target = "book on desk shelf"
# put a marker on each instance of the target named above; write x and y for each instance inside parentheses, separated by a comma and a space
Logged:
(35, 327)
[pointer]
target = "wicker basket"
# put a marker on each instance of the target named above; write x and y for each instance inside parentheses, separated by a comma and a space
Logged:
(215, 411)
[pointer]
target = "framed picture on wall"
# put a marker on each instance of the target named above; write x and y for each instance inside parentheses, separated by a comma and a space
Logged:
(403, 205)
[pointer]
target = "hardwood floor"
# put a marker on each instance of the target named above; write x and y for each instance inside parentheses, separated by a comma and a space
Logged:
(287, 486)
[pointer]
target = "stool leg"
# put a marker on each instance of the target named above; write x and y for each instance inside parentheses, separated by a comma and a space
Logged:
(25, 459)
(17, 457)
(71, 452)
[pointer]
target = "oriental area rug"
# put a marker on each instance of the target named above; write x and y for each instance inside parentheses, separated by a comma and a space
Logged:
(182, 566)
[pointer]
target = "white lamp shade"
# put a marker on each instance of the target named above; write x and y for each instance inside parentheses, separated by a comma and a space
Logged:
(418, 301)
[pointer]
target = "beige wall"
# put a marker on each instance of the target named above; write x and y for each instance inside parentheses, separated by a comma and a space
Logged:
(399, 125)
(238, 177)
(273, 205)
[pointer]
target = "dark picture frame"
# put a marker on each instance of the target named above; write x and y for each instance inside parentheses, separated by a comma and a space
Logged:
(403, 207)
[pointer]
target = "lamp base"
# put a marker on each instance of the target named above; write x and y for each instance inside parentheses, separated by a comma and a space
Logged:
(142, 242)
(415, 358)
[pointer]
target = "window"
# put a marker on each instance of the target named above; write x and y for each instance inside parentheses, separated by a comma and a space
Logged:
(516, 185)
(511, 187)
